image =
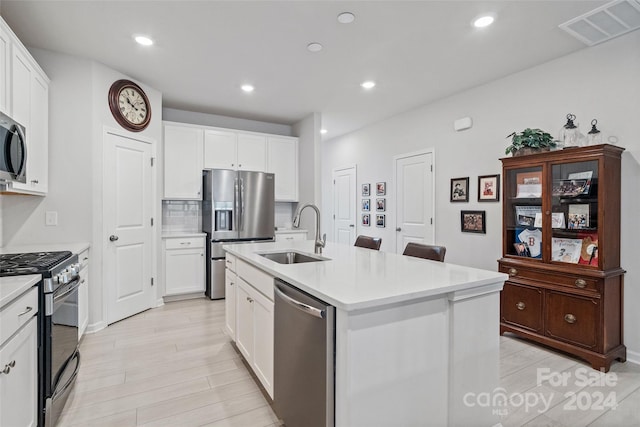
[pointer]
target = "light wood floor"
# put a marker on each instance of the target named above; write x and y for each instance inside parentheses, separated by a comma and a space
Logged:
(173, 366)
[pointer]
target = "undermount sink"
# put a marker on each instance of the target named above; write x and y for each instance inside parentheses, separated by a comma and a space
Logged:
(291, 257)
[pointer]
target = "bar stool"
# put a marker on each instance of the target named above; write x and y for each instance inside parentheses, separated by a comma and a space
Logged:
(368, 242)
(419, 250)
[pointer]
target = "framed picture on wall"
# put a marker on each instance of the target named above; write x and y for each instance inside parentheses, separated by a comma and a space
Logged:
(460, 189)
(366, 218)
(489, 188)
(381, 188)
(381, 205)
(380, 221)
(473, 222)
(366, 190)
(366, 205)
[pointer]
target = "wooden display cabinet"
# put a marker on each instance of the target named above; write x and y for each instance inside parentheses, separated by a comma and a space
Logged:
(561, 250)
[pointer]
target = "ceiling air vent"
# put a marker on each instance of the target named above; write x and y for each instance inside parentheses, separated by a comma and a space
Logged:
(606, 22)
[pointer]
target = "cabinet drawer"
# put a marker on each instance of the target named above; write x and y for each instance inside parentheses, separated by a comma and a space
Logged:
(184, 243)
(568, 280)
(289, 237)
(19, 312)
(521, 306)
(572, 318)
(257, 278)
(230, 262)
(83, 259)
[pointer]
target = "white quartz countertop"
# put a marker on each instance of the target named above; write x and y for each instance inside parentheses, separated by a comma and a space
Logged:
(290, 231)
(358, 278)
(13, 286)
(75, 248)
(178, 234)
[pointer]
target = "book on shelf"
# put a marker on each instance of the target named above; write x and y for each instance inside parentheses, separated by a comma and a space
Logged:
(578, 216)
(566, 250)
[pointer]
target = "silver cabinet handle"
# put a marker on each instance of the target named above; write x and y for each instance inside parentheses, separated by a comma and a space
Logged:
(398, 229)
(85, 258)
(28, 309)
(7, 367)
(351, 225)
(113, 238)
(185, 243)
(34, 181)
(300, 305)
(249, 299)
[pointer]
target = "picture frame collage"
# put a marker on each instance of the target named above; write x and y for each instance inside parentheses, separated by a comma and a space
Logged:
(474, 221)
(380, 204)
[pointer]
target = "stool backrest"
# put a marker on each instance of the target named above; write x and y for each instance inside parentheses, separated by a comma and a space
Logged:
(368, 242)
(419, 250)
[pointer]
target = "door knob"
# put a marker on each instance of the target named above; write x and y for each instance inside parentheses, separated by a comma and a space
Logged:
(398, 229)
(351, 225)
(113, 238)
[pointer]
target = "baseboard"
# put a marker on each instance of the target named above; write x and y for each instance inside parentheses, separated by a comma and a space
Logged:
(92, 328)
(633, 357)
(182, 297)
(159, 302)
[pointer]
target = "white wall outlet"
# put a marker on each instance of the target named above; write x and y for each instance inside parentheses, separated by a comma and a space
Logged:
(51, 218)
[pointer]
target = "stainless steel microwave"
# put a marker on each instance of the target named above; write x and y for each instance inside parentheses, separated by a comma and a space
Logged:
(13, 150)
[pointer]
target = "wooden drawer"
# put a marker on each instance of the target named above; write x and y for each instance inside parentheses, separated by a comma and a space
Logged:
(572, 318)
(568, 280)
(185, 243)
(17, 313)
(521, 306)
(230, 262)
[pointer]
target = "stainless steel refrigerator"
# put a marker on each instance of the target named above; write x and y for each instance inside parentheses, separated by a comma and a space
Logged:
(237, 206)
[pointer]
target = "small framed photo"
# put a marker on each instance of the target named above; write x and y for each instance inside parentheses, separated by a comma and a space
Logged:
(366, 190)
(380, 221)
(489, 188)
(460, 189)
(522, 249)
(366, 220)
(473, 222)
(381, 189)
(366, 205)
(381, 205)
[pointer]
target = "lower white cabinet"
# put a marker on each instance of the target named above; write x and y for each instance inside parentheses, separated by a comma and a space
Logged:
(83, 293)
(184, 268)
(291, 235)
(230, 286)
(19, 364)
(254, 331)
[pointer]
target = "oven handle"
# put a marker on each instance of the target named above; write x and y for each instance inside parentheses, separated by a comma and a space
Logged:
(76, 285)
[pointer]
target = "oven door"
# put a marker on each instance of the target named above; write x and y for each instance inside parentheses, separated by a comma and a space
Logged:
(64, 356)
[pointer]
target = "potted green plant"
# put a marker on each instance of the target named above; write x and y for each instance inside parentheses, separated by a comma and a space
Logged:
(529, 141)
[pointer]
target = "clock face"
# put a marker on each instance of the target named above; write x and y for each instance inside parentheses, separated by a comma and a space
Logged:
(129, 105)
(132, 105)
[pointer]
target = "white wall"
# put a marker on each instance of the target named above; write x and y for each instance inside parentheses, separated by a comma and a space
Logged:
(599, 82)
(182, 116)
(309, 153)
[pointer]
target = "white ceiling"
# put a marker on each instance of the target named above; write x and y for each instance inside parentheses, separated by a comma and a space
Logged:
(416, 51)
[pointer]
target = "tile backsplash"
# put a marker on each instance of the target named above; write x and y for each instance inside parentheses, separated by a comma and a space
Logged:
(181, 216)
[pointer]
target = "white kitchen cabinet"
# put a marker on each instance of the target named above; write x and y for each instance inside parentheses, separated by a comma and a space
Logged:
(83, 293)
(291, 235)
(220, 149)
(5, 69)
(230, 285)
(244, 319)
(282, 160)
(183, 164)
(184, 268)
(27, 102)
(234, 150)
(19, 362)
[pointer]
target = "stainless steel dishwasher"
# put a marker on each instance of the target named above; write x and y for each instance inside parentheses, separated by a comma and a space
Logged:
(304, 355)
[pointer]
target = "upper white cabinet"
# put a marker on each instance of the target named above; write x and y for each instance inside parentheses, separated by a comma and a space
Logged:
(233, 150)
(24, 95)
(182, 162)
(282, 160)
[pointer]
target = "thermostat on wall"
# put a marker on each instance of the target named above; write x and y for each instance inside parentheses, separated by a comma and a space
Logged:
(462, 124)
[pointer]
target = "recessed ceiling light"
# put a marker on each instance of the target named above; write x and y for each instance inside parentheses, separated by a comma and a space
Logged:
(314, 47)
(247, 88)
(143, 40)
(368, 84)
(323, 131)
(346, 18)
(483, 21)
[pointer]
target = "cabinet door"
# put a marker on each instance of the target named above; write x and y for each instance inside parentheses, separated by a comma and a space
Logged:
(38, 156)
(220, 150)
(244, 319)
(184, 271)
(573, 318)
(19, 387)
(230, 303)
(282, 160)
(252, 152)
(5, 69)
(182, 162)
(521, 306)
(20, 87)
(83, 302)
(263, 341)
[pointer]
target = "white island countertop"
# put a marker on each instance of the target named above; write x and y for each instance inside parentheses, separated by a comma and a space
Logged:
(13, 286)
(356, 278)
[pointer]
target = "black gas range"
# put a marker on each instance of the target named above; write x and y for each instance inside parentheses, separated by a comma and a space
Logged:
(58, 355)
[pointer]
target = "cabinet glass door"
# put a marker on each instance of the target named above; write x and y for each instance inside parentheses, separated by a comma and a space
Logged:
(574, 225)
(523, 212)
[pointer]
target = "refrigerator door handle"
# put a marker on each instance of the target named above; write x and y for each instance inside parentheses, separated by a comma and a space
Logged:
(241, 217)
(236, 210)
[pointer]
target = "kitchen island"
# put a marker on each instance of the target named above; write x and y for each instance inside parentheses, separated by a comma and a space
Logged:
(416, 341)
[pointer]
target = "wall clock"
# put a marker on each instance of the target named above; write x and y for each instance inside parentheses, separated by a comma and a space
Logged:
(129, 105)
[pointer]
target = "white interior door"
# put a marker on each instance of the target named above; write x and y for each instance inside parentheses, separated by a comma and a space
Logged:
(127, 226)
(414, 204)
(344, 205)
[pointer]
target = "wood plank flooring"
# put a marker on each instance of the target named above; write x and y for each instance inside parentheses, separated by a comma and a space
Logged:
(174, 366)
